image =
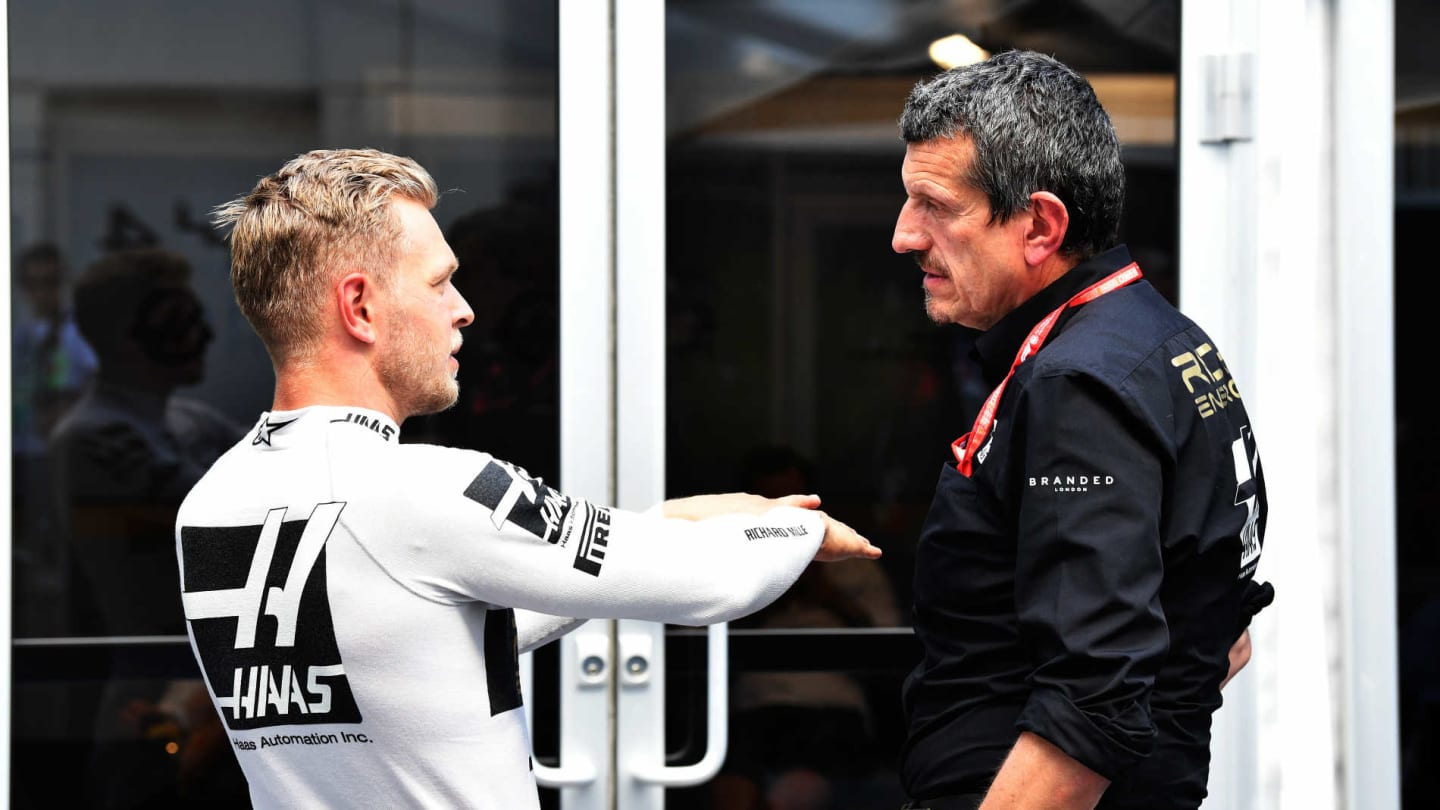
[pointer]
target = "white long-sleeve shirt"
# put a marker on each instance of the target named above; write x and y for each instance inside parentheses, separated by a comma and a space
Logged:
(354, 603)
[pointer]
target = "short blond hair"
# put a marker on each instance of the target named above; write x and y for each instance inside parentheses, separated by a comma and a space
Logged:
(324, 212)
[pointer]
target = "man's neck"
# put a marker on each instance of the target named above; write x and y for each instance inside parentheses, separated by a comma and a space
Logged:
(300, 385)
(1055, 266)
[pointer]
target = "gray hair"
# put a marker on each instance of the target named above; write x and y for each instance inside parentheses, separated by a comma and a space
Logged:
(1036, 126)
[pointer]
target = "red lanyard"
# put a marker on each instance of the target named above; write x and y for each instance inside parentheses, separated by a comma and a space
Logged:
(968, 445)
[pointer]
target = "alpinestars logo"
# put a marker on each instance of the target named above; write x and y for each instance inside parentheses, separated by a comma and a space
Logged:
(266, 431)
(257, 603)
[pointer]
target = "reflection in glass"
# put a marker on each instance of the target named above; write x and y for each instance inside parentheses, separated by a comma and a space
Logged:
(132, 367)
(1417, 216)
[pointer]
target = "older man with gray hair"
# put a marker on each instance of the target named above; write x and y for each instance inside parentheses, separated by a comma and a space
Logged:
(1085, 577)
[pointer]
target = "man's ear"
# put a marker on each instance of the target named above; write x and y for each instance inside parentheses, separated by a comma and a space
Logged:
(1049, 222)
(355, 292)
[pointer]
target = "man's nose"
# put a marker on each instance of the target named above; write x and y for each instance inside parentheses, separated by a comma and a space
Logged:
(465, 315)
(909, 236)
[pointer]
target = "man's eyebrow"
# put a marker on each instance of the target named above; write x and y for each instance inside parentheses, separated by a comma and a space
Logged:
(923, 187)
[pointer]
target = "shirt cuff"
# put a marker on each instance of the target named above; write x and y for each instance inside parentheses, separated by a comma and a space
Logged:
(1107, 745)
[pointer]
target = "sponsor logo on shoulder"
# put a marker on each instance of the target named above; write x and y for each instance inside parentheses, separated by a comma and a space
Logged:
(1208, 381)
(594, 540)
(513, 497)
(526, 503)
(1082, 482)
(376, 425)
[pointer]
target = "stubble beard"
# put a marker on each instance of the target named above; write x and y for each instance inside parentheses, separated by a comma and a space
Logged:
(934, 310)
(413, 382)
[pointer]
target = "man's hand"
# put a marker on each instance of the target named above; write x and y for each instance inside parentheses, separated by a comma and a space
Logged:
(841, 542)
(1239, 656)
(699, 507)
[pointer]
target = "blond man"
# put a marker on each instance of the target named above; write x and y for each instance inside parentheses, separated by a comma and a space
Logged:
(357, 604)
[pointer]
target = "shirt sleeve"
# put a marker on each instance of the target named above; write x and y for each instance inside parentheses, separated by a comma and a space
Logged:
(534, 630)
(469, 527)
(1089, 569)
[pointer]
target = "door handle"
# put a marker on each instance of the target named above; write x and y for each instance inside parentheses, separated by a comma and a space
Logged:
(717, 737)
(588, 668)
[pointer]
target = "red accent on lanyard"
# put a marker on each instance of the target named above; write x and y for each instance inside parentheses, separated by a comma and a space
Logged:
(968, 445)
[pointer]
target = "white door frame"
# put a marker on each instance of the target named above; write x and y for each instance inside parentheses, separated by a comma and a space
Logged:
(1287, 205)
(587, 377)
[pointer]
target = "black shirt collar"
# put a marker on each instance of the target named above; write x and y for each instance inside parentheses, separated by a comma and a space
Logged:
(995, 348)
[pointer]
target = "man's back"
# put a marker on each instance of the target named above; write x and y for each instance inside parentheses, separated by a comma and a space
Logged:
(349, 600)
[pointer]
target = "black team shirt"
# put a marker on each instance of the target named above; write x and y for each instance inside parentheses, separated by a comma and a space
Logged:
(1087, 582)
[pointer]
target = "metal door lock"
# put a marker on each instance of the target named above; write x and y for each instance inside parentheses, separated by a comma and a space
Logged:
(637, 665)
(637, 651)
(593, 653)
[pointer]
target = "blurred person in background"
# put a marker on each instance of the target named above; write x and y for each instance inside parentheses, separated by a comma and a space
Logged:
(123, 458)
(51, 363)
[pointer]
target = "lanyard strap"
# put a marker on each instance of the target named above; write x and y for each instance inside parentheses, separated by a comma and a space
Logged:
(966, 446)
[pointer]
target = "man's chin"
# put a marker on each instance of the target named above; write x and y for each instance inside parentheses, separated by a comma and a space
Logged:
(441, 401)
(937, 312)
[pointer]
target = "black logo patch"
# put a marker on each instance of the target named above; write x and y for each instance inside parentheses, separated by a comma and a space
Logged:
(514, 497)
(257, 603)
(594, 540)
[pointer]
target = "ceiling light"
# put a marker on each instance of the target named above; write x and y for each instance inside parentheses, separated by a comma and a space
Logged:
(956, 50)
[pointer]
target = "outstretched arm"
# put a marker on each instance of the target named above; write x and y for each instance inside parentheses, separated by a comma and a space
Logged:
(841, 542)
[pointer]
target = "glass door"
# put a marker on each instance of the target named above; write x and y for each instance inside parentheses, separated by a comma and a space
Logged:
(674, 219)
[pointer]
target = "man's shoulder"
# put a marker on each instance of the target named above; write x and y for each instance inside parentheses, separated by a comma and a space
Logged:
(1113, 336)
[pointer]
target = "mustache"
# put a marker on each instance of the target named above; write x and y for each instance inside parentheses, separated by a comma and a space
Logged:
(456, 344)
(923, 261)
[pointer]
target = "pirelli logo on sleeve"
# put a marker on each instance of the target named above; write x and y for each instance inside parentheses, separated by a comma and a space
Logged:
(594, 540)
(258, 606)
(526, 503)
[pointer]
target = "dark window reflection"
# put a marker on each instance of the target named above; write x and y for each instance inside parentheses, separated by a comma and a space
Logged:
(1417, 557)
(132, 369)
